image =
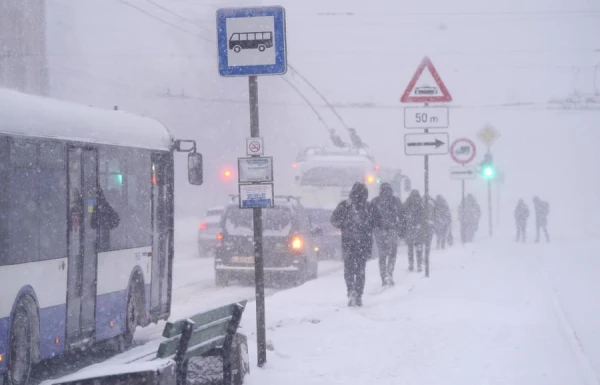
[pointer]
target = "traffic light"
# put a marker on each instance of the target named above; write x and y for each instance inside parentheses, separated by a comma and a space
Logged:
(488, 170)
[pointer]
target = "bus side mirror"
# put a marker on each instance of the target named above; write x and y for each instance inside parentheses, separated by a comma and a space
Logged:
(195, 169)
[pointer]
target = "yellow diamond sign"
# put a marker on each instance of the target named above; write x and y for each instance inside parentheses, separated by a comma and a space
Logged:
(488, 134)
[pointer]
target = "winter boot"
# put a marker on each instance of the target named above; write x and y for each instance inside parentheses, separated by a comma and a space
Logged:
(388, 281)
(358, 301)
(352, 299)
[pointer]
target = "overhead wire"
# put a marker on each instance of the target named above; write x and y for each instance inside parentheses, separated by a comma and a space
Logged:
(296, 89)
(143, 11)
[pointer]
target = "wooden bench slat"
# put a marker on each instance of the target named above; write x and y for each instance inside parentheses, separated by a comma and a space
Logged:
(173, 329)
(199, 336)
(200, 350)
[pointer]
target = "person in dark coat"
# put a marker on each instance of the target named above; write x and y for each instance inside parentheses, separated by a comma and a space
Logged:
(104, 219)
(542, 209)
(419, 233)
(389, 218)
(470, 218)
(442, 221)
(521, 216)
(355, 217)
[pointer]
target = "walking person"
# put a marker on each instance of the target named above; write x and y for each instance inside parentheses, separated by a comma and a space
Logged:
(389, 219)
(521, 216)
(355, 218)
(418, 234)
(442, 221)
(542, 209)
(471, 217)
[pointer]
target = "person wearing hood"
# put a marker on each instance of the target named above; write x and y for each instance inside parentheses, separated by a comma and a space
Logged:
(390, 220)
(542, 209)
(521, 216)
(419, 232)
(442, 221)
(356, 219)
(469, 218)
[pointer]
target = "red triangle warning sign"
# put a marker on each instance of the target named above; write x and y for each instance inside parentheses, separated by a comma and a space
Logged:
(426, 86)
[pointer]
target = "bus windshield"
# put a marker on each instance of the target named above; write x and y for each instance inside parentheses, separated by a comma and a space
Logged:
(332, 176)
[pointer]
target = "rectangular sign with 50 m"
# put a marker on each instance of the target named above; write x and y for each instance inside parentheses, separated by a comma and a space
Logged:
(426, 117)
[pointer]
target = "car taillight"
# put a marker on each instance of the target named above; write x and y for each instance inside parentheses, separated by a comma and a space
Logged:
(297, 244)
(219, 237)
(202, 226)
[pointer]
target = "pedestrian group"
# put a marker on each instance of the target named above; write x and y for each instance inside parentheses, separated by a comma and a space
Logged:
(386, 219)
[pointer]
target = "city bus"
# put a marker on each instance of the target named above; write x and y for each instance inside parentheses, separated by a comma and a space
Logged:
(323, 178)
(86, 227)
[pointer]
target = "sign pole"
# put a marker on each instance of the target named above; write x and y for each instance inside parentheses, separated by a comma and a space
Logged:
(426, 118)
(489, 188)
(426, 200)
(462, 213)
(259, 273)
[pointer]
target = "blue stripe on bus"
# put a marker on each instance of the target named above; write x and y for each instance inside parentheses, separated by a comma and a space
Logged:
(52, 325)
(109, 307)
(4, 322)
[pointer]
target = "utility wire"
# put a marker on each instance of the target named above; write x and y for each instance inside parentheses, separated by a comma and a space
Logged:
(169, 11)
(164, 21)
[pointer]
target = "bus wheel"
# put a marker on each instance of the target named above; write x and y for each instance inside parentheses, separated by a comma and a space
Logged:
(237, 49)
(21, 346)
(131, 316)
(262, 48)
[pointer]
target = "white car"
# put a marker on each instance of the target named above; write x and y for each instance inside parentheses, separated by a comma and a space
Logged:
(208, 230)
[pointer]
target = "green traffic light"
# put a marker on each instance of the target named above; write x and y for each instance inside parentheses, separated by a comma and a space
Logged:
(489, 172)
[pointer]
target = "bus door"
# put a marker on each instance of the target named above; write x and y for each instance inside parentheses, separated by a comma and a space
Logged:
(82, 260)
(162, 235)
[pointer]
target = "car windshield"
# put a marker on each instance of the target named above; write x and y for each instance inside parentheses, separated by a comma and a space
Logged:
(276, 221)
(214, 213)
(332, 176)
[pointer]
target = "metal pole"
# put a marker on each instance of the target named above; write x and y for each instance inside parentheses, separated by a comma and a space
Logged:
(426, 200)
(462, 213)
(490, 208)
(259, 273)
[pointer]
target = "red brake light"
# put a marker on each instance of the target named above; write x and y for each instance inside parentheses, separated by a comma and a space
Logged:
(202, 226)
(219, 237)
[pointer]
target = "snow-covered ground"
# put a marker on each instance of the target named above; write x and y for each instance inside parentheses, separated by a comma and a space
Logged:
(491, 313)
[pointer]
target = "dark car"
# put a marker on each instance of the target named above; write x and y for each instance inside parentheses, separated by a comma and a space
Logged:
(288, 247)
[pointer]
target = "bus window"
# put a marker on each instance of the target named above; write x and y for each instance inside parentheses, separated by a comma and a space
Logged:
(235, 37)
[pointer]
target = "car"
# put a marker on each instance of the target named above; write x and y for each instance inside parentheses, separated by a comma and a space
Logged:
(208, 230)
(288, 248)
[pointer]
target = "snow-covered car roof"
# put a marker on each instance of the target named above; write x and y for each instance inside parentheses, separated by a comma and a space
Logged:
(29, 115)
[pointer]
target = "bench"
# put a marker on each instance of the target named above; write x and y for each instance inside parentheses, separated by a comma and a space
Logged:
(209, 334)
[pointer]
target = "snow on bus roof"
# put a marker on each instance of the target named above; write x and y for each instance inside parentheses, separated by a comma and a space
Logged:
(36, 116)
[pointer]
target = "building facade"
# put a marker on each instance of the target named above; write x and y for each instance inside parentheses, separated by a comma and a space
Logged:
(23, 64)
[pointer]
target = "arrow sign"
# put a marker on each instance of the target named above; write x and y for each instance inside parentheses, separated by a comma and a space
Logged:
(426, 144)
(465, 172)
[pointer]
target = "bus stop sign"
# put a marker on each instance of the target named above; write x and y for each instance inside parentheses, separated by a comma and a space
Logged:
(251, 41)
